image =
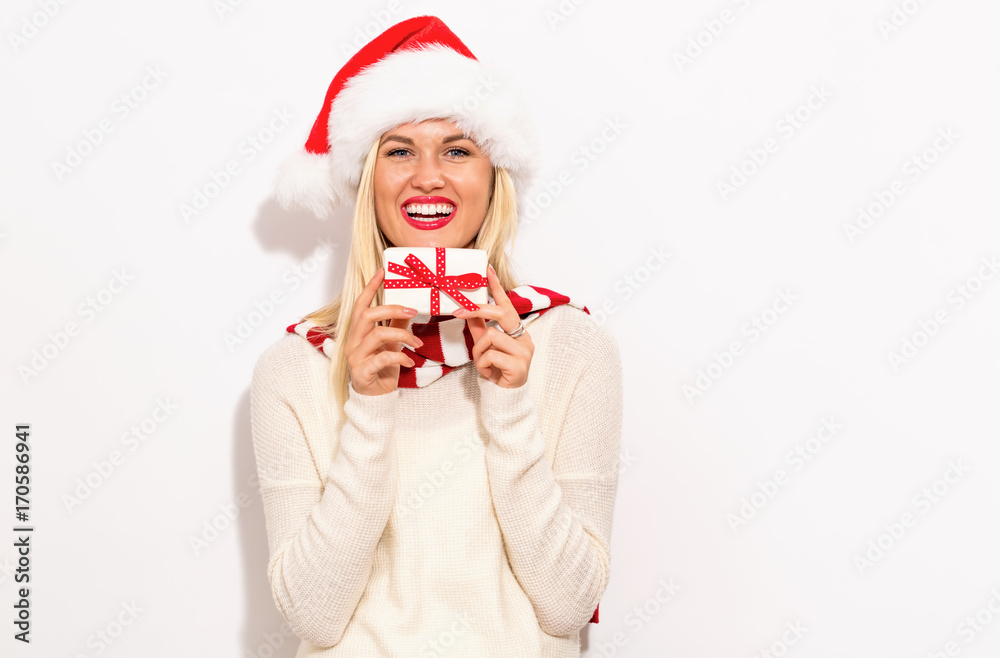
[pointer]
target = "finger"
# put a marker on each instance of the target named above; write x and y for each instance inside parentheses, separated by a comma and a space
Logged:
(487, 311)
(500, 341)
(485, 342)
(502, 310)
(400, 323)
(476, 327)
(364, 300)
(388, 338)
(403, 324)
(382, 360)
(501, 363)
(500, 297)
(484, 368)
(369, 318)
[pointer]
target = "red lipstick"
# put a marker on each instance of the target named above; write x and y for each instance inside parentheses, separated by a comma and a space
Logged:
(431, 223)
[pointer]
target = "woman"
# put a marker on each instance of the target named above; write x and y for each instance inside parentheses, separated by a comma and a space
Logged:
(433, 485)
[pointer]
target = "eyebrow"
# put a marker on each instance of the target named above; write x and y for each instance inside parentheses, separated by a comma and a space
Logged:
(407, 140)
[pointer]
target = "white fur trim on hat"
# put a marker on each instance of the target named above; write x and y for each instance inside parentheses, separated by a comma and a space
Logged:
(431, 82)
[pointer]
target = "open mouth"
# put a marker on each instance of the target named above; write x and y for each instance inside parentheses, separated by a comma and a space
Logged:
(429, 212)
(428, 216)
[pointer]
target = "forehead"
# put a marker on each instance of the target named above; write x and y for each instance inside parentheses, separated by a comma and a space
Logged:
(431, 129)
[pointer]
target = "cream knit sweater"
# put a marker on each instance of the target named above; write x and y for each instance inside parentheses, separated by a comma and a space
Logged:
(459, 519)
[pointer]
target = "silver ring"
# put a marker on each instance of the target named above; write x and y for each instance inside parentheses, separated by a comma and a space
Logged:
(517, 332)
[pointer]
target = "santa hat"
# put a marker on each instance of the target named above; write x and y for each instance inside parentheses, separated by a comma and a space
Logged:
(415, 70)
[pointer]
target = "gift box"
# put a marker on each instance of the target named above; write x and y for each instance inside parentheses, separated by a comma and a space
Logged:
(435, 280)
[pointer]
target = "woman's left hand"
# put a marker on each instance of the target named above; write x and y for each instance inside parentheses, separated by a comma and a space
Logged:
(498, 357)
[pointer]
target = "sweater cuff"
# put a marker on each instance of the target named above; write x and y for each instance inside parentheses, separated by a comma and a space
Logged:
(505, 411)
(373, 415)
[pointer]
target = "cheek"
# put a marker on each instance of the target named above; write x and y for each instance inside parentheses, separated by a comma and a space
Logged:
(388, 185)
(476, 189)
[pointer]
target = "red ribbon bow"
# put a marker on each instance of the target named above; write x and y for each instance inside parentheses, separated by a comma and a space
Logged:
(420, 276)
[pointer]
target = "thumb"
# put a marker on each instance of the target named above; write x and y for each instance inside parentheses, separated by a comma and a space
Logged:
(476, 327)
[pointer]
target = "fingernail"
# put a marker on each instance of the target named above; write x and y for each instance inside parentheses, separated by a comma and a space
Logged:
(409, 311)
(491, 268)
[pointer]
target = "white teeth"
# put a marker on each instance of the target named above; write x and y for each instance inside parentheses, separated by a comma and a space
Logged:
(429, 208)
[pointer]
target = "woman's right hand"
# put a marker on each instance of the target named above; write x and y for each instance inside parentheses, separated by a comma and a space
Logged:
(374, 352)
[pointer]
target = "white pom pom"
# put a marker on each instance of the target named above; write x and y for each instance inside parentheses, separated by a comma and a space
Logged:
(303, 181)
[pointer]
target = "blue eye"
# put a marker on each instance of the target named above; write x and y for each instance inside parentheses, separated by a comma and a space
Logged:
(404, 151)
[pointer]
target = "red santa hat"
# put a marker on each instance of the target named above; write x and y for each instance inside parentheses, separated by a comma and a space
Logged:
(415, 70)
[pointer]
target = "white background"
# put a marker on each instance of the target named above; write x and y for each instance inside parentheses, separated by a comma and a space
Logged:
(849, 99)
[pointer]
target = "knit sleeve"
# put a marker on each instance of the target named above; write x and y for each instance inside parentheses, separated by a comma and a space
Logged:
(321, 535)
(556, 518)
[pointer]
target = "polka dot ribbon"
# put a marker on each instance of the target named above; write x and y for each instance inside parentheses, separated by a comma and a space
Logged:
(420, 276)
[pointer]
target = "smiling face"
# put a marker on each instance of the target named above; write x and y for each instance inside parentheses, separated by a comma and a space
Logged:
(432, 186)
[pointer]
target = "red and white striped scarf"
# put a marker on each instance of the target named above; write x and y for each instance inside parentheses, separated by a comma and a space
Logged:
(447, 340)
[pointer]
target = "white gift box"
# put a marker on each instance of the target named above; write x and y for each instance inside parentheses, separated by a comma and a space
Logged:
(454, 267)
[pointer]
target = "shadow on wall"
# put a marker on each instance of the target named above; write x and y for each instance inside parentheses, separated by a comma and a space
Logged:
(265, 633)
(300, 234)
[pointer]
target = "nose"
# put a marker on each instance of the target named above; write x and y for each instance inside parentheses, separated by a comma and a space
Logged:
(428, 174)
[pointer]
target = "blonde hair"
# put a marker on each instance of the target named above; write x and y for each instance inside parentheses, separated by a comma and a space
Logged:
(365, 258)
